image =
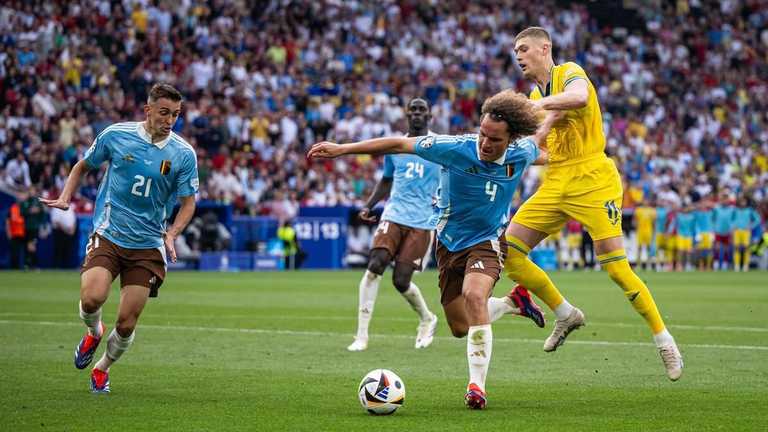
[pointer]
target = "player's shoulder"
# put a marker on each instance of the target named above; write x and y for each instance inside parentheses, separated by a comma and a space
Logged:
(181, 144)
(570, 70)
(118, 129)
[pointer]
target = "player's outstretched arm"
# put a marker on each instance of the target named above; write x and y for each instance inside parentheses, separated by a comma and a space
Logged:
(73, 181)
(575, 96)
(186, 211)
(372, 146)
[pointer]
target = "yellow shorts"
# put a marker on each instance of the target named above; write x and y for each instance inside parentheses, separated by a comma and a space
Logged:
(684, 244)
(706, 241)
(741, 237)
(644, 238)
(661, 241)
(587, 189)
(573, 240)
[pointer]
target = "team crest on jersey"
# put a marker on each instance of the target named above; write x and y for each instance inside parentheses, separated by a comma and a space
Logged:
(165, 167)
(128, 158)
(614, 213)
(427, 142)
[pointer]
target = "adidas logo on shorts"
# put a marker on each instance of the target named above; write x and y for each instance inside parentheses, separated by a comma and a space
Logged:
(478, 265)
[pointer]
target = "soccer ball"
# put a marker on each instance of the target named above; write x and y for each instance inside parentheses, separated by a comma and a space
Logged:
(381, 392)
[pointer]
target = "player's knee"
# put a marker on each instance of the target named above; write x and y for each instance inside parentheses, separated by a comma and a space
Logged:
(475, 299)
(401, 280)
(378, 261)
(91, 304)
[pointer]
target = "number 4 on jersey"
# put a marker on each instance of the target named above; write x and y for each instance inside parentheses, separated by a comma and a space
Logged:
(490, 190)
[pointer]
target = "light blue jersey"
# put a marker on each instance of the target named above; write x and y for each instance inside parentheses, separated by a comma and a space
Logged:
(745, 218)
(475, 196)
(142, 182)
(661, 219)
(704, 221)
(724, 219)
(685, 224)
(414, 187)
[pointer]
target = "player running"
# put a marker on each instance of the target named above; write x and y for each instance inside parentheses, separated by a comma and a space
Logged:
(405, 232)
(582, 183)
(479, 177)
(149, 167)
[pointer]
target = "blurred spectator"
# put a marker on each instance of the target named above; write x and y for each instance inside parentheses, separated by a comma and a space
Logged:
(64, 224)
(34, 220)
(15, 231)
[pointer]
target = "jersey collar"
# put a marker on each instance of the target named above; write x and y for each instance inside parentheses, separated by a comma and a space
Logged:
(499, 161)
(142, 131)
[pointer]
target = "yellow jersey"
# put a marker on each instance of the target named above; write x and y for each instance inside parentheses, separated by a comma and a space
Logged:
(645, 217)
(580, 133)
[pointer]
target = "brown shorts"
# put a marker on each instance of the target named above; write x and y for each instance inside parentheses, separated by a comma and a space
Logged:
(486, 258)
(405, 244)
(143, 267)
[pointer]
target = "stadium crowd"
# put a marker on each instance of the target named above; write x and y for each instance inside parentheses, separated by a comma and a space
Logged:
(684, 95)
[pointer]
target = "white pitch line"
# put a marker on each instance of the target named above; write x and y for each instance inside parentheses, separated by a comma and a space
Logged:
(394, 336)
(513, 321)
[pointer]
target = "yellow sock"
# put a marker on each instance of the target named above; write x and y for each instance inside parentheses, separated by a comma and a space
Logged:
(617, 266)
(736, 259)
(747, 257)
(521, 269)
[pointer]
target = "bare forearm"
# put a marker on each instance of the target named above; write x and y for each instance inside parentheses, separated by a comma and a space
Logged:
(381, 190)
(575, 96)
(73, 181)
(184, 215)
(381, 146)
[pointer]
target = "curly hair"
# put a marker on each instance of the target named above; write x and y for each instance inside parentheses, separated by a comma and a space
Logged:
(514, 109)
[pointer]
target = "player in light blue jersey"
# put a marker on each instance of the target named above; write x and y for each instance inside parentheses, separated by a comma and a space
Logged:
(723, 213)
(404, 233)
(479, 176)
(705, 234)
(745, 219)
(684, 225)
(148, 167)
(662, 242)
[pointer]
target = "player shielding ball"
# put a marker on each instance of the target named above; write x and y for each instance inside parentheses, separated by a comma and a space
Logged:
(581, 183)
(149, 167)
(478, 180)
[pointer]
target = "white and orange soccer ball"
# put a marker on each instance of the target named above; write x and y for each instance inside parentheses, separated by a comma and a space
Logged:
(381, 392)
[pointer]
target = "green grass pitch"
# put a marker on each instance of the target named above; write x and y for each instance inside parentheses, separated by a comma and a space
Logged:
(266, 351)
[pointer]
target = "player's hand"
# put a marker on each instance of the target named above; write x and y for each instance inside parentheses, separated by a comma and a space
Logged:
(554, 115)
(366, 216)
(325, 149)
(55, 203)
(169, 239)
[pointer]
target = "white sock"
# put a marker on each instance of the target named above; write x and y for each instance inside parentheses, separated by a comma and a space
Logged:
(498, 307)
(479, 347)
(369, 288)
(663, 338)
(91, 320)
(416, 300)
(563, 310)
(116, 346)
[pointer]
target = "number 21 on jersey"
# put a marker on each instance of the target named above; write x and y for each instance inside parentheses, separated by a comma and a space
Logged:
(141, 181)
